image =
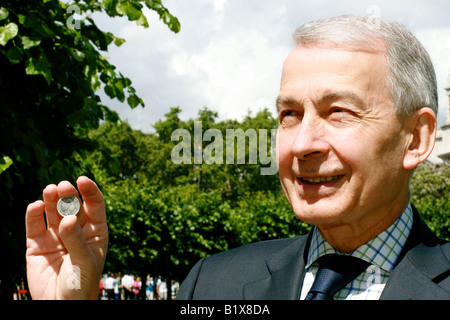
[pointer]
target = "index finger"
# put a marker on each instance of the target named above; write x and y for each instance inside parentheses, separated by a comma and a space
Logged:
(94, 203)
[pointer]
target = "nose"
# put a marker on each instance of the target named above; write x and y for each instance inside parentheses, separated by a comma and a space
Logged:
(310, 141)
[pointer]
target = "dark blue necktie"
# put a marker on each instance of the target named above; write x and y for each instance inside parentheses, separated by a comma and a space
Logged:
(335, 271)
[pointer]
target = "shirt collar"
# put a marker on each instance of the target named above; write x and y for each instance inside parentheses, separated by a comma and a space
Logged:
(382, 251)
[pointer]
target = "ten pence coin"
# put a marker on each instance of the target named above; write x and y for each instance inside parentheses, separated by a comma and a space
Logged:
(68, 206)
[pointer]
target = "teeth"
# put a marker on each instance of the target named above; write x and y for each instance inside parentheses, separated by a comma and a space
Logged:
(321, 179)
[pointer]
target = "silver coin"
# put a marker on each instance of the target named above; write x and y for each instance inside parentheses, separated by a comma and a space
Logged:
(68, 206)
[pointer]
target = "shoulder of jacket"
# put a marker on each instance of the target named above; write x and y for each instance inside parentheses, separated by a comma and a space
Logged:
(254, 254)
(445, 246)
(264, 248)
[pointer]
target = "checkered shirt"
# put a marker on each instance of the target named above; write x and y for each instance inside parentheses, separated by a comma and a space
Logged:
(382, 252)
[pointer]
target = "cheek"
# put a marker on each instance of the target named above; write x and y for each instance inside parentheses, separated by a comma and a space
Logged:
(360, 156)
(351, 149)
(284, 152)
(370, 158)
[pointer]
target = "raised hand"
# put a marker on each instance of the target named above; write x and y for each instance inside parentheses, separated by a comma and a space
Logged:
(65, 257)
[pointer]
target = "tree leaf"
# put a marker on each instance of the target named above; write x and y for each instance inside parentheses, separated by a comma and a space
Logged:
(119, 41)
(39, 66)
(118, 87)
(142, 21)
(109, 90)
(5, 163)
(133, 101)
(15, 55)
(77, 54)
(130, 8)
(110, 7)
(22, 155)
(174, 25)
(3, 13)
(8, 32)
(96, 36)
(28, 43)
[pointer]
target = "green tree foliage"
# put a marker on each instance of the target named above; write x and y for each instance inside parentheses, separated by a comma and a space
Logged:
(430, 188)
(51, 67)
(164, 217)
(265, 215)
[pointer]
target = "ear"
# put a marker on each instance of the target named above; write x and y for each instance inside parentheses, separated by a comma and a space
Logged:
(421, 128)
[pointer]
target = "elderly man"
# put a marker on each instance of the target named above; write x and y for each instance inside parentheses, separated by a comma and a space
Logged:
(357, 113)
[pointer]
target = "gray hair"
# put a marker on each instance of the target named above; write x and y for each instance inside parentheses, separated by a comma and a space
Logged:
(412, 79)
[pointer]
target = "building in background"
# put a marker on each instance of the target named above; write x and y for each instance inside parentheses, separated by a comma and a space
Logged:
(441, 151)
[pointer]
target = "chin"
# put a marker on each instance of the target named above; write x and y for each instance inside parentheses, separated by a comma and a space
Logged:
(321, 212)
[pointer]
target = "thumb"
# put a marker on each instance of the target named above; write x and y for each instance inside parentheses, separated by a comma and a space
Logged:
(81, 256)
(72, 236)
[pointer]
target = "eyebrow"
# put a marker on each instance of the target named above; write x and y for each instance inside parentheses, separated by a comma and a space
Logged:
(328, 97)
(286, 101)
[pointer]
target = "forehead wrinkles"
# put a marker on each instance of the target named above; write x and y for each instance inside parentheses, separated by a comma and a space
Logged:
(297, 97)
(309, 73)
(317, 94)
(333, 60)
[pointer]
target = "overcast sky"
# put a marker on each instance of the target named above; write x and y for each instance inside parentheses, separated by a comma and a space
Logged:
(229, 53)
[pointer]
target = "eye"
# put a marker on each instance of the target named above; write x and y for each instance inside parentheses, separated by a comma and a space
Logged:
(288, 113)
(288, 118)
(339, 112)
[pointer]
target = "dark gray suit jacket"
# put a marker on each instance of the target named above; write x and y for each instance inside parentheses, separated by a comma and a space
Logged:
(275, 270)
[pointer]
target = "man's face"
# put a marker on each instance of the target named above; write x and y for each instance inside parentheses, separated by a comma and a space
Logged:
(341, 145)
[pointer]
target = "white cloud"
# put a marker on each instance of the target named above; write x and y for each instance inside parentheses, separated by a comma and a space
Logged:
(234, 73)
(218, 4)
(229, 53)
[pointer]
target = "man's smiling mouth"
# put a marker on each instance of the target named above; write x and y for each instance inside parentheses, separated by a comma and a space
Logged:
(320, 179)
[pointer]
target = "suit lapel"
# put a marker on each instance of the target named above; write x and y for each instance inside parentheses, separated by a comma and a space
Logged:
(415, 279)
(419, 268)
(286, 269)
(420, 272)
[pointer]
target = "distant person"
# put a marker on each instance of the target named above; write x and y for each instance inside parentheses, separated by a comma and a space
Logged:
(149, 288)
(162, 290)
(127, 287)
(110, 284)
(137, 287)
(118, 288)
